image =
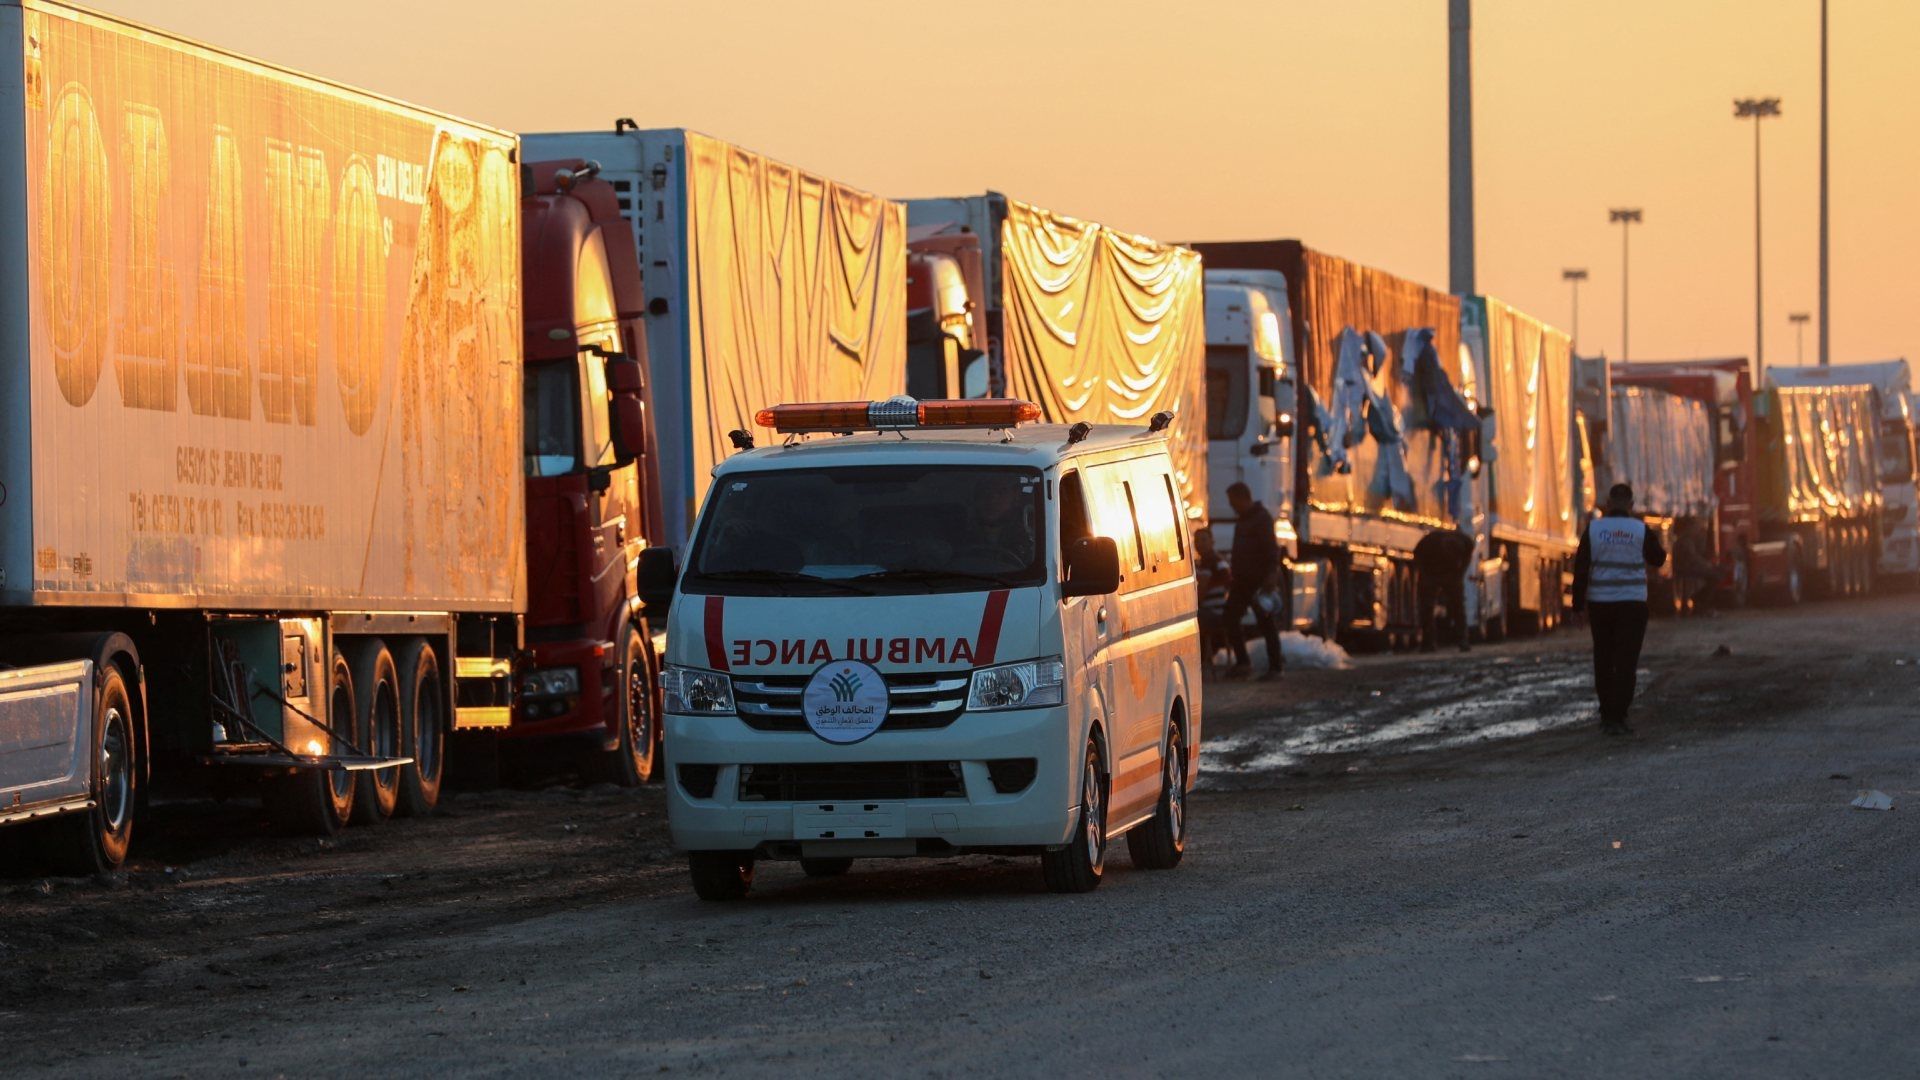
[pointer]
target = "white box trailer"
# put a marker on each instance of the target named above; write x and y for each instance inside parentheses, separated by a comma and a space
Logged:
(1892, 384)
(765, 284)
(260, 405)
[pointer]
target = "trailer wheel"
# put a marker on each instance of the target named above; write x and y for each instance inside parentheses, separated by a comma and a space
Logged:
(1329, 628)
(318, 802)
(423, 724)
(378, 733)
(633, 762)
(95, 841)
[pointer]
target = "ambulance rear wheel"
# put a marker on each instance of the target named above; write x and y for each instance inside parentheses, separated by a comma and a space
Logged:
(825, 867)
(720, 875)
(1160, 843)
(1079, 864)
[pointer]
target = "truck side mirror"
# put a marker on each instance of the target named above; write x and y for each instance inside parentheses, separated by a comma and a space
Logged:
(656, 576)
(628, 407)
(1093, 567)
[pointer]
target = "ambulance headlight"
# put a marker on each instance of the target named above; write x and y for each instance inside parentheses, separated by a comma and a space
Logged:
(1030, 684)
(692, 690)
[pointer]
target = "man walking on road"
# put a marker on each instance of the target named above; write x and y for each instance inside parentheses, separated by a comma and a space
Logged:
(1256, 562)
(1610, 585)
(1440, 563)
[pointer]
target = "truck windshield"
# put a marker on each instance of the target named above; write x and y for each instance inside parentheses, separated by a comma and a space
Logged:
(553, 420)
(879, 530)
(1227, 390)
(1896, 453)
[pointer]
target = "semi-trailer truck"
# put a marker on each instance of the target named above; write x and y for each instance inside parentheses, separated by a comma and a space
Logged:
(1538, 454)
(1662, 445)
(1093, 324)
(1891, 383)
(1377, 444)
(1798, 510)
(765, 284)
(261, 510)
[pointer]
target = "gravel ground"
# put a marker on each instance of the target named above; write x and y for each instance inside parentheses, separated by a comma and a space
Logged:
(1428, 866)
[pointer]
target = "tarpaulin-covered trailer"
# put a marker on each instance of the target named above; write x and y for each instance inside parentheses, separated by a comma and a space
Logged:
(1819, 458)
(260, 416)
(1662, 444)
(1384, 440)
(1892, 384)
(765, 283)
(1089, 322)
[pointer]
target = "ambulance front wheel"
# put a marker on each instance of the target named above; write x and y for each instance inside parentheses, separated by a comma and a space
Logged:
(720, 875)
(1078, 865)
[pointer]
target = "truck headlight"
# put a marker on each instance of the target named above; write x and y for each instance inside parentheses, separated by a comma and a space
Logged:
(551, 682)
(692, 690)
(1029, 684)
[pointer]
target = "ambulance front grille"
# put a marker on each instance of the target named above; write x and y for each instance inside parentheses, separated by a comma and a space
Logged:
(916, 701)
(852, 780)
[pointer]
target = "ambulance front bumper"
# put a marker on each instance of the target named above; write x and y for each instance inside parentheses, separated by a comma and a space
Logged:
(733, 788)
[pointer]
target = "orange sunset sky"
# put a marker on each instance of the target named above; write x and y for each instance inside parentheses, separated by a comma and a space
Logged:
(1216, 119)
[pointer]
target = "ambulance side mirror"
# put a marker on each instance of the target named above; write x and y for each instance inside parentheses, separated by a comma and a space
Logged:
(656, 576)
(1093, 567)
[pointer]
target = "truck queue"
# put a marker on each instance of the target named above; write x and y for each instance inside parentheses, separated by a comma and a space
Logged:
(469, 457)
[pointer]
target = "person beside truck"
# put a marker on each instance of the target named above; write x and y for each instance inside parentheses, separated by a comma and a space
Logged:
(1255, 568)
(1440, 563)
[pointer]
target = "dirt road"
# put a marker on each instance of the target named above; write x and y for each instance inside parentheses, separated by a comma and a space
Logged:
(1418, 865)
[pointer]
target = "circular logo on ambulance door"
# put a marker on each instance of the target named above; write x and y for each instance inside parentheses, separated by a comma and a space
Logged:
(845, 701)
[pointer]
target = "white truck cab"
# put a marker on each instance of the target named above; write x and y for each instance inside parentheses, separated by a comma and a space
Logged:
(928, 628)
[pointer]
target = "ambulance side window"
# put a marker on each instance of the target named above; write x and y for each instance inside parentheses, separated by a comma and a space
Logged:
(1074, 523)
(1133, 512)
(1178, 552)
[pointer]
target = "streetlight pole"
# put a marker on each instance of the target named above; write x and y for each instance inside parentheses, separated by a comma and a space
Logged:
(1627, 217)
(1826, 314)
(1575, 275)
(1758, 109)
(1799, 321)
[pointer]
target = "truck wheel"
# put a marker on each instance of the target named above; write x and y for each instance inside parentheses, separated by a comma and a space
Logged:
(95, 841)
(1159, 844)
(632, 763)
(378, 733)
(720, 875)
(1329, 628)
(319, 802)
(1077, 867)
(825, 867)
(423, 725)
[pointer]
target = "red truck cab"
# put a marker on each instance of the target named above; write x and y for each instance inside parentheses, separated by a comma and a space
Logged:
(587, 672)
(1725, 387)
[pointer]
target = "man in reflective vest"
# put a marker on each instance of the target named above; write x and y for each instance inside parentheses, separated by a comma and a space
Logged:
(1610, 585)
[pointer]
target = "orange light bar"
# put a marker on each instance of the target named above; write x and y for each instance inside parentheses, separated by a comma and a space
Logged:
(985, 412)
(896, 414)
(825, 416)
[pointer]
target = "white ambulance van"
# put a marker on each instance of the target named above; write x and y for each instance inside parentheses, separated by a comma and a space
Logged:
(933, 628)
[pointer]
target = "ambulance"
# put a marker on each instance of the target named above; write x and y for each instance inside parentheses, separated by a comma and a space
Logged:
(932, 628)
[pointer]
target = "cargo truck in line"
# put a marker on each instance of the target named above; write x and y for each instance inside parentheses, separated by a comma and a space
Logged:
(764, 283)
(1795, 480)
(263, 525)
(1891, 382)
(1352, 423)
(1090, 323)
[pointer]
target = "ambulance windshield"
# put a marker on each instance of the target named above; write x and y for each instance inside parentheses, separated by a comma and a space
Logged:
(874, 530)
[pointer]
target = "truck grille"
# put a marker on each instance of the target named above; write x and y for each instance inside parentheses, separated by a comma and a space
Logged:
(842, 781)
(917, 701)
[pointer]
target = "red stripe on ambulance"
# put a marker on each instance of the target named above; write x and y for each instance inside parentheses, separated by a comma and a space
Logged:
(716, 639)
(990, 620)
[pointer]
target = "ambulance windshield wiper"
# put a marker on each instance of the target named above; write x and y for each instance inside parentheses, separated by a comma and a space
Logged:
(781, 577)
(921, 574)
